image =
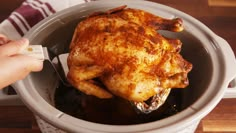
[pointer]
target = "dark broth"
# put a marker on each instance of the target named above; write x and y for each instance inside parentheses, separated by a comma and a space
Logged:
(115, 111)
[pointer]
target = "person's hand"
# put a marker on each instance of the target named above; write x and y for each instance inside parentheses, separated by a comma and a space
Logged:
(15, 66)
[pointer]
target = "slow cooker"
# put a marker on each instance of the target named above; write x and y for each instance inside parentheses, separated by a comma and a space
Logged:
(212, 58)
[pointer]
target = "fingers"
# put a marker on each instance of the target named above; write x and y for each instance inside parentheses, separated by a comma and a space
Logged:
(17, 67)
(27, 63)
(13, 47)
(20, 65)
(21, 69)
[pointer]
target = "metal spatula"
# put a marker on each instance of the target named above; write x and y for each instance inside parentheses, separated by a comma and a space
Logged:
(59, 63)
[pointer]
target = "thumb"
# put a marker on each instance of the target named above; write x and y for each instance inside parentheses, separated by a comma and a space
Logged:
(13, 47)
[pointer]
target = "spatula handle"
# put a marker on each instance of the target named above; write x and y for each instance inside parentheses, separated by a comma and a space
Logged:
(35, 51)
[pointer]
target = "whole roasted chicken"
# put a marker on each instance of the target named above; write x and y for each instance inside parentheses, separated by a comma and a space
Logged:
(119, 52)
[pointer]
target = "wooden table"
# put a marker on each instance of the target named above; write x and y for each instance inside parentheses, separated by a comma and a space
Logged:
(218, 15)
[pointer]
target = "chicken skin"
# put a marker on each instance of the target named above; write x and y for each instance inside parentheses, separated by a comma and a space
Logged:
(122, 49)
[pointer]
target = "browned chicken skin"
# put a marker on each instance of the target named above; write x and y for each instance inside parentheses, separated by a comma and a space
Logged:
(122, 49)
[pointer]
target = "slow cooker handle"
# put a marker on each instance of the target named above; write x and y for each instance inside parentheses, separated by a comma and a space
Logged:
(7, 99)
(230, 64)
(231, 90)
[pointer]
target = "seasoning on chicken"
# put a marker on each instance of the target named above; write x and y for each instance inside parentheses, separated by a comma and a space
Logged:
(122, 49)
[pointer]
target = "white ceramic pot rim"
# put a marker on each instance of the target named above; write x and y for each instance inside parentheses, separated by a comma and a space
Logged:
(192, 114)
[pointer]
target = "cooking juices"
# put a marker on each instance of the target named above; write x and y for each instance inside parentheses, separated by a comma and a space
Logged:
(115, 111)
